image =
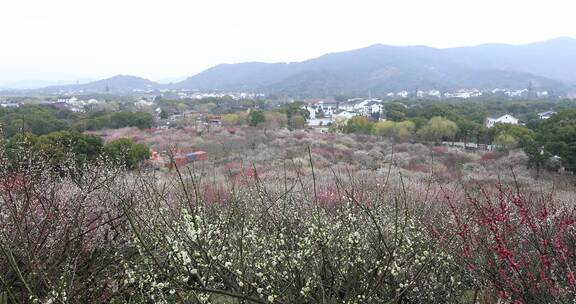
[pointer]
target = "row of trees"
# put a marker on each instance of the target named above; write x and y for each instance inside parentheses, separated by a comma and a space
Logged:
(36, 119)
(66, 151)
(553, 138)
(104, 120)
(477, 110)
(281, 118)
(213, 105)
(470, 115)
(43, 119)
(435, 130)
(505, 136)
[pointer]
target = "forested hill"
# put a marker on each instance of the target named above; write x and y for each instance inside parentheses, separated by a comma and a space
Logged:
(115, 84)
(381, 68)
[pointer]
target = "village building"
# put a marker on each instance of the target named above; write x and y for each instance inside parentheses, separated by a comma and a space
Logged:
(10, 105)
(504, 119)
(546, 115)
(344, 115)
(67, 100)
(143, 103)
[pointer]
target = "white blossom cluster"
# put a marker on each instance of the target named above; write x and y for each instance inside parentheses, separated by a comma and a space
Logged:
(293, 251)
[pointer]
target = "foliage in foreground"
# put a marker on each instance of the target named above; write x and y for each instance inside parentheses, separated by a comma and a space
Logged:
(115, 236)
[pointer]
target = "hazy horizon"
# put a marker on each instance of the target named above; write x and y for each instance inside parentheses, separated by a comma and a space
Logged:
(65, 40)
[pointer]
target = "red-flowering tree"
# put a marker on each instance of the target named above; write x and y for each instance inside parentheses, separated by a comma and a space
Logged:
(520, 243)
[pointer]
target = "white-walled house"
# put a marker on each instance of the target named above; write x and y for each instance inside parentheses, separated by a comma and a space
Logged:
(326, 108)
(68, 100)
(341, 111)
(376, 108)
(143, 103)
(321, 113)
(505, 119)
(402, 94)
(362, 106)
(344, 115)
(311, 111)
(546, 115)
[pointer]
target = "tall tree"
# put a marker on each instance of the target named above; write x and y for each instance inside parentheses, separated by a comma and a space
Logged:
(558, 134)
(437, 129)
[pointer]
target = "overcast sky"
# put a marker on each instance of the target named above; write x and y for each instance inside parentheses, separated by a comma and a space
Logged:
(70, 39)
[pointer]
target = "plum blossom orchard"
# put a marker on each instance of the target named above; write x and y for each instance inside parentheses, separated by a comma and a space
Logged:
(291, 217)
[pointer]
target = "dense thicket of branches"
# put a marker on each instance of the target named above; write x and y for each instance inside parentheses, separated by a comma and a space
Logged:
(297, 236)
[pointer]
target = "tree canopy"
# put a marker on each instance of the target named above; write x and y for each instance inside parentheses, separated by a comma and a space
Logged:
(395, 130)
(126, 152)
(65, 150)
(437, 129)
(358, 124)
(558, 136)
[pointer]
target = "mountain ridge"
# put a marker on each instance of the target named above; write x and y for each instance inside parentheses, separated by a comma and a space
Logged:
(115, 84)
(380, 68)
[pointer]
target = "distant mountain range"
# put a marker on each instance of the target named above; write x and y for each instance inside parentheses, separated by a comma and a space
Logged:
(36, 84)
(547, 65)
(116, 84)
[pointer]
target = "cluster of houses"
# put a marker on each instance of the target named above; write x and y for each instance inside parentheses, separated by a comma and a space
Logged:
(364, 107)
(74, 104)
(190, 94)
(520, 93)
(71, 103)
(467, 93)
(9, 105)
(143, 104)
(464, 94)
(324, 113)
